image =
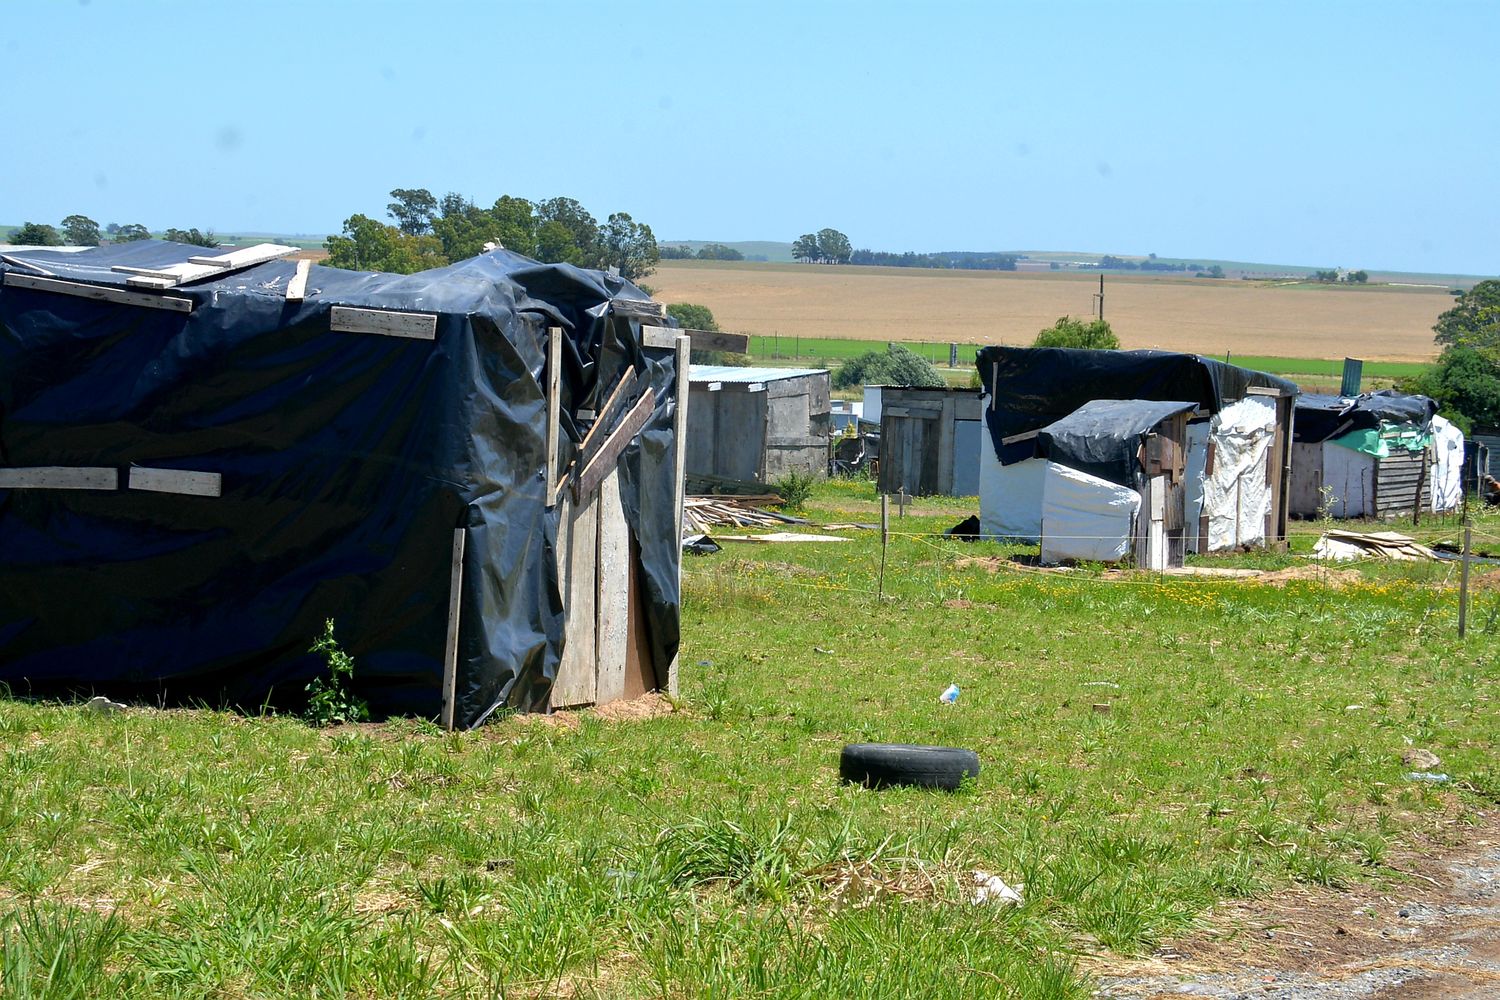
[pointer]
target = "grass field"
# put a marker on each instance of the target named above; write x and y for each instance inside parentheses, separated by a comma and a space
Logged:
(1252, 743)
(1263, 319)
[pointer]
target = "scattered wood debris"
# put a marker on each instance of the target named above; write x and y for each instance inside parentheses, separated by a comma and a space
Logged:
(1343, 545)
(701, 513)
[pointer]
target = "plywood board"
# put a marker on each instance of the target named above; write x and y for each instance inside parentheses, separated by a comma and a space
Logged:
(99, 293)
(385, 322)
(612, 603)
(197, 484)
(59, 477)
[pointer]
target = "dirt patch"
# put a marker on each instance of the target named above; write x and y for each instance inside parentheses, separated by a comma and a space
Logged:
(958, 604)
(647, 706)
(1311, 573)
(1436, 935)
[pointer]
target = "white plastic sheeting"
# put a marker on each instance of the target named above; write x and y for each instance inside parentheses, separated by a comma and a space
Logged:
(1193, 466)
(1236, 495)
(1010, 496)
(1085, 517)
(1447, 465)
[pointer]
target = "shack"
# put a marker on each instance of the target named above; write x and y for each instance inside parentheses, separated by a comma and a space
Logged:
(1235, 429)
(1379, 454)
(473, 471)
(757, 423)
(927, 438)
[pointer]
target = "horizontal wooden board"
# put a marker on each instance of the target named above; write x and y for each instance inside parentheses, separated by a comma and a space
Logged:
(60, 477)
(603, 462)
(385, 322)
(643, 308)
(198, 484)
(99, 293)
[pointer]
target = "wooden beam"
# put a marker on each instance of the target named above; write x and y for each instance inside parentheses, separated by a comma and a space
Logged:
(679, 481)
(22, 262)
(296, 288)
(1018, 438)
(99, 293)
(244, 257)
(607, 414)
(59, 477)
(554, 403)
(703, 340)
(612, 598)
(197, 484)
(1263, 390)
(603, 462)
(638, 308)
(387, 323)
(455, 609)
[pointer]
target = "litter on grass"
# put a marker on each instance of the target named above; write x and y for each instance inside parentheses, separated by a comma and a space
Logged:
(782, 536)
(992, 889)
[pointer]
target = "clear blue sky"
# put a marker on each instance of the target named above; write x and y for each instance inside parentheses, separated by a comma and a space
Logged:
(1329, 134)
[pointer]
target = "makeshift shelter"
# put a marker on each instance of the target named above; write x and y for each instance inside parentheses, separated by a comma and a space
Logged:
(1231, 451)
(757, 423)
(473, 471)
(1373, 455)
(927, 438)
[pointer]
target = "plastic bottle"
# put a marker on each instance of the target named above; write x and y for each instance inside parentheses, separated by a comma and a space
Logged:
(950, 695)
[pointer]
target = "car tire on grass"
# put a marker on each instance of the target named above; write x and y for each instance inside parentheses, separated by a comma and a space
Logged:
(877, 765)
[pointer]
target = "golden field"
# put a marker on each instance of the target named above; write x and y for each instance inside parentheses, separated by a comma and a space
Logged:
(1377, 323)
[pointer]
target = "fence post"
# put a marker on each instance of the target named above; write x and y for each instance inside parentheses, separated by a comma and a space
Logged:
(1463, 584)
(885, 540)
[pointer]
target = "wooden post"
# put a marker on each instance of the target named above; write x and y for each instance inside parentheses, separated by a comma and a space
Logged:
(554, 402)
(1416, 505)
(455, 607)
(1463, 583)
(885, 540)
(679, 481)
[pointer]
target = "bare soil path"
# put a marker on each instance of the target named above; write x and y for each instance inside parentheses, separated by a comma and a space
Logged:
(1435, 936)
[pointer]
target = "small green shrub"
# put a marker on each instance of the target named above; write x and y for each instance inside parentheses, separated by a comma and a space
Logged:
(330, 701)
(1070, 332)
(795, 488)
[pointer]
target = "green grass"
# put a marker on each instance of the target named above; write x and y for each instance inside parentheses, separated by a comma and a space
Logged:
(712, 852)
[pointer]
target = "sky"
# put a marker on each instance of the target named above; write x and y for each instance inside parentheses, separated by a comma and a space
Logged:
(1331, 134)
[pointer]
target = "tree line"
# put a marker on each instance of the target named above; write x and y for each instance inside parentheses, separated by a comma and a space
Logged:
(709, 251)
(1333, 277)
(829, 246)
(431, 232)
(82, 231)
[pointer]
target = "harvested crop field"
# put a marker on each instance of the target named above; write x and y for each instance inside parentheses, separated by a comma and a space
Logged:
(971, 307)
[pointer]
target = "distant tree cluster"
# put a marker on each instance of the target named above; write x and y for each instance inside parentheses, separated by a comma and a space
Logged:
(826, 246)
(896, 365)
(431, 232)
(962, 260)
(710, 251)
(82, 231)
(1069, 332)
(1110, 262)
(1347, 277)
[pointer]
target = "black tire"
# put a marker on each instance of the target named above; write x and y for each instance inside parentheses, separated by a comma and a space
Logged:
(876, 765)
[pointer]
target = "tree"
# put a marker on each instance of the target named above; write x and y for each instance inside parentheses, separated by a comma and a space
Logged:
(369, 245)
(896, 365)
(1357, 277)
(1466, 384)
(676, 251)
(192, 237)
(36, 234)
(1070, 332)
(464, 228)
(718, 251)
(629, 246)
(81, 231)
(576, 219)
(833, 246)
(413, 209)
(130, 232)
(554, 245)
(805, 248)
(1474, 320)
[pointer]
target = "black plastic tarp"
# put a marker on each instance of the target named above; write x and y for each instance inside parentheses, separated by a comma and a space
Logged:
(1321, 417)
(1030, 387)
(347, 462)
(1103, 437)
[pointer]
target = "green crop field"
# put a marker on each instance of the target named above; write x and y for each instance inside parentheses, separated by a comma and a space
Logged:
(1252, 743)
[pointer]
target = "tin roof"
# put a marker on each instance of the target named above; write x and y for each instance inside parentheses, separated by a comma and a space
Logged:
(732, 374)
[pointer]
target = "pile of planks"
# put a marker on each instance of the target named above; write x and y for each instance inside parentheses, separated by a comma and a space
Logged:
(701, 513)
(1342, 545)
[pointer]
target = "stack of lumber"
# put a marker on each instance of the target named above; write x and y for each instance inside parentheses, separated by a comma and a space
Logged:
(1341, 545)
(701, 513)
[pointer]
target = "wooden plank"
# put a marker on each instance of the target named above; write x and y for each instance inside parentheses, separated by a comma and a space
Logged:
(638, 308)
(577, 575)
(455, 611)
(1262, 390)
(22, 262)
(554, 404)
(640, 670)
(679, 482)
(917, 410)
(387, 323)
(603, 462)
(296, 288)
(59, 477)
(608, 414)
(1018, 438)
(99, 293)
(244, 257)
(717, 340)
(944, 484)
(659, 338)
(196, 484)
(612, 605)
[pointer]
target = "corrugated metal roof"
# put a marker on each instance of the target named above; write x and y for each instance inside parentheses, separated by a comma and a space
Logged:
(729, 373)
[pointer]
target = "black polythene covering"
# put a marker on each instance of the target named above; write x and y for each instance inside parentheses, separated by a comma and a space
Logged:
(1103, 437)
(1030, 387)
(347, 460)
(1321, 417)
